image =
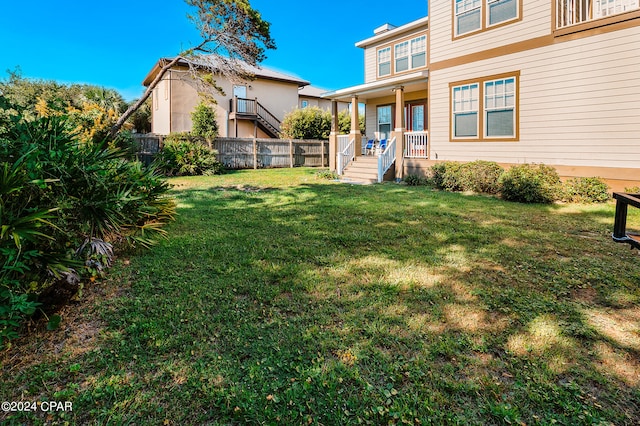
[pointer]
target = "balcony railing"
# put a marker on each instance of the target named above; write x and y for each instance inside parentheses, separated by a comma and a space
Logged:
(415, 144)
(251, 108)
(573, 12)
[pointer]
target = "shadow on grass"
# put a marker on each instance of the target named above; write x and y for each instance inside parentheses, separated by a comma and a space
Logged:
(337, 304)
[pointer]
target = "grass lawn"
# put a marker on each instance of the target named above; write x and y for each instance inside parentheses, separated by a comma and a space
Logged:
(284, 299)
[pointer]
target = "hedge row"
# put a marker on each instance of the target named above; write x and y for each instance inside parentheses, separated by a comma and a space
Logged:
(525, 183)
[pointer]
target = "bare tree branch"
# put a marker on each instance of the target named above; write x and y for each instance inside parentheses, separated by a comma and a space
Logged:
(233, 35)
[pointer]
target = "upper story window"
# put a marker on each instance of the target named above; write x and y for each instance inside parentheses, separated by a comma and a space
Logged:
(402, 56)
(410, 54)
(384, 61)
(419, 52)
(469, 14)
(572, 12)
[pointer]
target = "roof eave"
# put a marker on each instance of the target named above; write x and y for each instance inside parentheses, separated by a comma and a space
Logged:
(157, 67)
(375, 86)
(404, 28)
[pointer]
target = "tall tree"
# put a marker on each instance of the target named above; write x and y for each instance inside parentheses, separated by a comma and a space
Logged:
(232, 33)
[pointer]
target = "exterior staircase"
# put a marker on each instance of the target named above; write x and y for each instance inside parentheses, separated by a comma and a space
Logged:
(364, 169)
(251, 109)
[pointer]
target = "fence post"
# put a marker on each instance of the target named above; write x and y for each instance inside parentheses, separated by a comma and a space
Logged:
(255, 154)
(291, 153)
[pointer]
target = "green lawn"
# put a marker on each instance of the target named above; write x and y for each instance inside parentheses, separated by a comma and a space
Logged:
(284, 299)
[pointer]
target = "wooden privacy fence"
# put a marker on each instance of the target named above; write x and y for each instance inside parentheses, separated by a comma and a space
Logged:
(148, 146)
(241, 153)
(237, 153)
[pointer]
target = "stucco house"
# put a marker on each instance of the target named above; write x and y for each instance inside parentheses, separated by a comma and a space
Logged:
(511, 81)
(245, 109)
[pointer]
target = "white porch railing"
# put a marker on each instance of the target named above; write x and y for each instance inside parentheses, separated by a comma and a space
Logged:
(346, 152)
(386, 159)
(415, 144)
(343, 141)
(572, 12)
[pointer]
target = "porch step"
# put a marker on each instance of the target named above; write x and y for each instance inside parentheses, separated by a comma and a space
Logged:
(364, 169)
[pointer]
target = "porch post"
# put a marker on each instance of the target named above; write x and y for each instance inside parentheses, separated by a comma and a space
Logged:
(399, 133)
(356, 134)
(333, 136)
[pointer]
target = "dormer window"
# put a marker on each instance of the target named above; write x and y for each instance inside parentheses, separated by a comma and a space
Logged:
(384, 62)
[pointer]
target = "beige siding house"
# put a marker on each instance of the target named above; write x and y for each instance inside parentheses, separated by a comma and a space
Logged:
(511, 81)
(245, 109)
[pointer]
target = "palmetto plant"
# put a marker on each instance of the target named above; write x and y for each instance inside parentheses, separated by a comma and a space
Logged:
(65, 204)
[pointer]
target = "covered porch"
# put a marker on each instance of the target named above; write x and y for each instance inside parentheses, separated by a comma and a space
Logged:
(396, 124)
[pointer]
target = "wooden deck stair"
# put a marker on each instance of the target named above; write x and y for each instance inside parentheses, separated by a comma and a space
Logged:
(364, 169)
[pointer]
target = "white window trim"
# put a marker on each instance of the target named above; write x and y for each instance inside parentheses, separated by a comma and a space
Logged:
(466, 9)
(378, 63)
(505, 96)
(484, 11)
(405, 56)
(481, 107)
(476, 110)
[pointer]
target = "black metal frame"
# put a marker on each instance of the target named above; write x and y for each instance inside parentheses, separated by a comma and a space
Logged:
(620, 234)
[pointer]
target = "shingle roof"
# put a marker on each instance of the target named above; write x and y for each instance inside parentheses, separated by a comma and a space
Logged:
(261, 71)
(311, 91)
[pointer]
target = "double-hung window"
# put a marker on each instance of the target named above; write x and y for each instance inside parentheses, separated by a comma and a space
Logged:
(384, 121)
(419, 52)
(402, 56)
(485, 109)
(465, 111)
(500, 107)
(469, 14)
(384, 61)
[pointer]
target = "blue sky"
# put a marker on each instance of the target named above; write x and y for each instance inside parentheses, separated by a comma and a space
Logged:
(115, 43)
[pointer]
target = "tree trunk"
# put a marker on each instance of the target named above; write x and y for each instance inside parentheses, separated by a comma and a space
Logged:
(133, 108)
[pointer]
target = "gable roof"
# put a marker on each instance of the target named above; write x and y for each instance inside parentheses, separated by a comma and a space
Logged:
(259, 72)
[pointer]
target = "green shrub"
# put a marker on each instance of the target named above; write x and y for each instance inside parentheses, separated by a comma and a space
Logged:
(478, 176)
(632, 190)
(204, 122)
(586, 190)
(413, 180)
(326, 174)
(306, 123)
(445, 175)
(527, 183)
(185, 155)
(64, 206)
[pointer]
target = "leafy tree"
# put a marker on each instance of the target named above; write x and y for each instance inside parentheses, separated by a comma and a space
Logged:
(141, 118)
(232, 33)
(204, 122)
(91, 109)
(306, 123)
(344, 122)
